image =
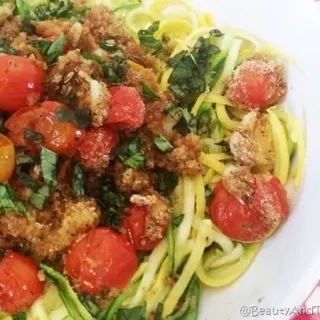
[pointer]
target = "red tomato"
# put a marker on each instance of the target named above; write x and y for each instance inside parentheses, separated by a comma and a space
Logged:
(250, 219)
(257, 84)
(127, 109)
(95, 151)
(7, 158)
(100, 260)
(21, 83)
(60, 137)
(20, 285)
(136, 228)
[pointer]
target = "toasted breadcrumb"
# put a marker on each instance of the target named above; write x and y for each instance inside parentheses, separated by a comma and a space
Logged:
(10, 29)
(6, 11)
(143, 200)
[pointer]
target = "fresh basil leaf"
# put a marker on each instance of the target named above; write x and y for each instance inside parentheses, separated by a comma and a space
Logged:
(28, 27)
(27, 181)
(56, 49)
(49, 160)
(187, 122)
(147, 39)
(5, 48)
(115, 70)
(162, 144)
(90, 304)
(42, 45)
(78, 181)
(40, 197)
(81, 118)
(8, 201)
(136, 313)
(166, 181)
(32, 136)
(108, 45)
(92, 56)
(19, 316)
(53, 9)
(112, 203)
(131, 153)
(148, 93)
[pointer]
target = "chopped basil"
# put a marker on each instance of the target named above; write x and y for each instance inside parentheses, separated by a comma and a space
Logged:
(187, 122)
(49, 160)
(116, 69)
(5, 48)
(27, 181)
(162, 144)
(166, 181)
(136, 313)
(78, 181)
(208, 193)
(147, 39)
(148, 93)
(108, 45)
(131, 153)
(32, 136)
(90, 304)
(28, 27)
(42, 45)
(8, 201)
(22, 157)
(92, 56)
(19, 316)
(52, 9)
(81, 118)
(111, 202)
(40, 197)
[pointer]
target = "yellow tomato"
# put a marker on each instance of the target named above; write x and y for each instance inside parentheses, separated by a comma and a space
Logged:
(7, 158)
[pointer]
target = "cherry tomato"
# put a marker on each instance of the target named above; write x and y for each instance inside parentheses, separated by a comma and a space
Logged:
(257, 84)
(7, 158)
(96, 149)
(136, 224)
(102, 259)
(20, 285)
(254, 218)
(60, 137)
(21, 83)
(127, 109)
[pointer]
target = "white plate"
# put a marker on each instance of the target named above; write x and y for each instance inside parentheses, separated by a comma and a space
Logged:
(288, 266)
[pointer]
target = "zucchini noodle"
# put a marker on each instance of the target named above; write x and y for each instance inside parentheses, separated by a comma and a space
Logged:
(225, 119)
(211, 162)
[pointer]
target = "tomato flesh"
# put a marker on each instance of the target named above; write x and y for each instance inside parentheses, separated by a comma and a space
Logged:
(7, 158)
(21, 83)
(127, 109)
(60, 137)
(252, 219)
(19, 282)
(102, 259)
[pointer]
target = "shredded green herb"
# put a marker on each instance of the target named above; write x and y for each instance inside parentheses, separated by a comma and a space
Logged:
(49, 160)
(162, 144)
(166, 181)
(136, 313)
(32, 136)
(5, 48)
(78, 181)
(149, 93)
(26, 180)
(28, 27)
(8, 200)
(109, 45)
(90, 304)
(40, 197)
(81, 118)
(147, 39)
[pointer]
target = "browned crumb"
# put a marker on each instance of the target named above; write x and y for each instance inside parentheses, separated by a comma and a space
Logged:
(6, 11)
(10, 29)
(52, 28)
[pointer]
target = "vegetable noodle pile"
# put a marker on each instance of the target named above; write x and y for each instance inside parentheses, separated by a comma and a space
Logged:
(145, 153)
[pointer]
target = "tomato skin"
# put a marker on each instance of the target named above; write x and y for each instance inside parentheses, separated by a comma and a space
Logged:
(247, 219)
(60, 137)
(19, 282)
(135, 228)
(7, 158)
(21, 83)
(97, 146)
(257, 84)
(102, 259)
(127, 109)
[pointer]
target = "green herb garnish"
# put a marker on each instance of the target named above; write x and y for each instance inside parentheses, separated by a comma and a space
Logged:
(8, 200)
(27, 181)
(108, 45)
(19, 316)
(49, 160)
(40, 197)
(166, 181)
(5, 48)
(78, 181)
(32, 136)
(81, 118)
(162, 144)
(136, 313)
(131, 153)
(149, 93)
(147, 39)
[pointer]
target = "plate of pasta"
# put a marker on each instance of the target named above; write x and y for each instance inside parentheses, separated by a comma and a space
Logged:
(152, 159)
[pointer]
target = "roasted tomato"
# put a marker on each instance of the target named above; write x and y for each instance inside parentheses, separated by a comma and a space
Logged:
(127, 109)
(20, 285)
(96, 149)
(250, 209)
(60, 137)
(7, 158)
(257, 84)
(21, 83)
(102, 259)
(146, 225)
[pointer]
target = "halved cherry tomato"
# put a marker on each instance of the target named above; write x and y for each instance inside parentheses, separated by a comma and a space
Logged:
(21, 83)
(7, 158)
(253, 218)
(95, 150)
(102, 259)
(127, 109)
(257, 84)
(136, 227)
(20, 285)
(60, 137)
